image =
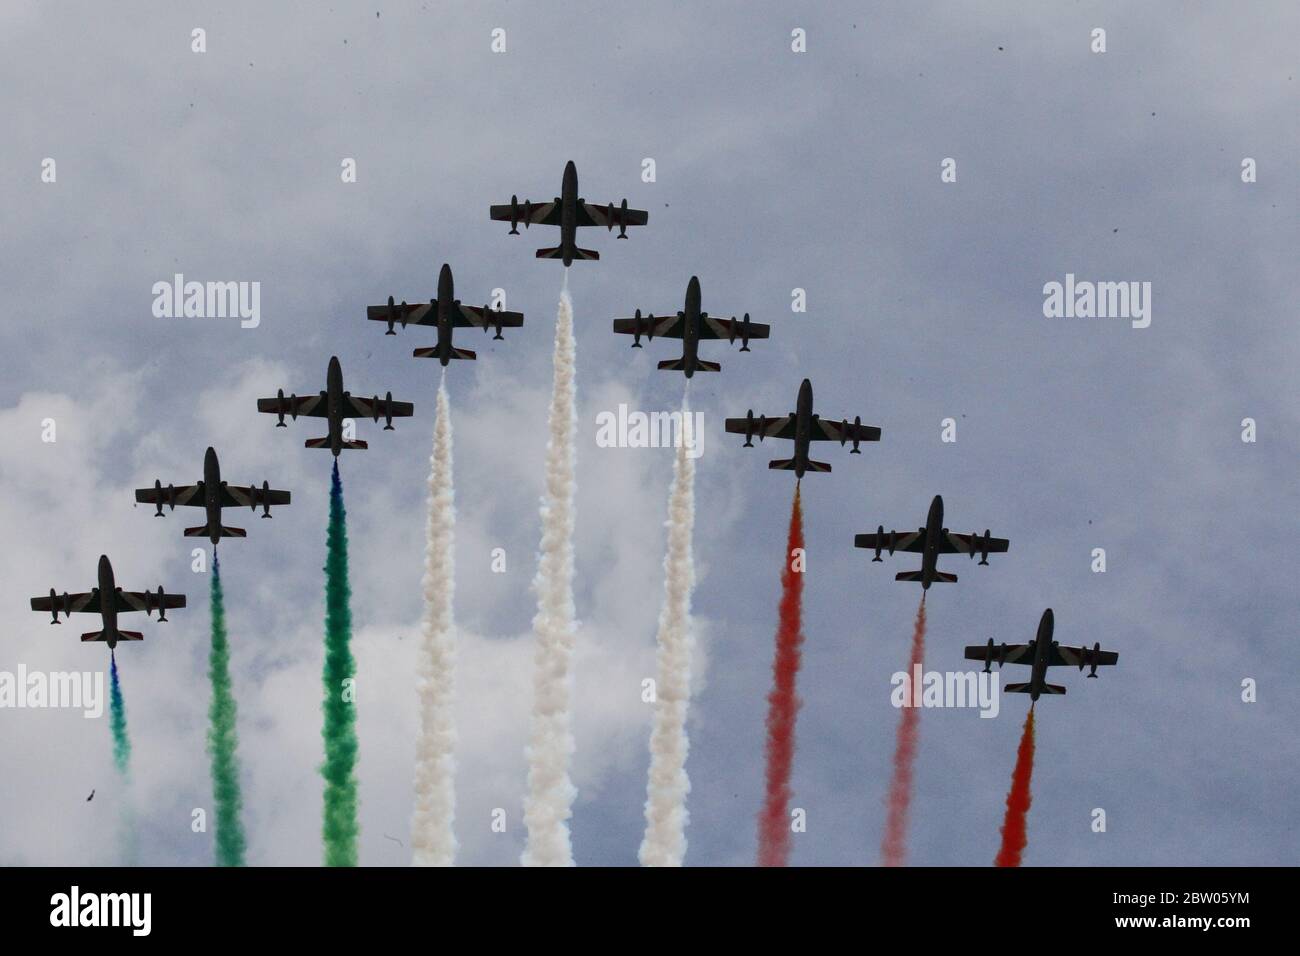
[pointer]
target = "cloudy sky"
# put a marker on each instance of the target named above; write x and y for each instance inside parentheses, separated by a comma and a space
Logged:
(775, 170)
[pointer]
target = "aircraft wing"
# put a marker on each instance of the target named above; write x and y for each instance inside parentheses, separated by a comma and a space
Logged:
(1015, 653)
(478, 317)
(782, 427)
(88, 602)
(184, 495)
(311, 405)
(671, 325)
(378, 408)
(824, 430)
(590, 214)
(404, 314)
(128, 601)
(967, 543)
(1073, 656)
(912, 541)
(730, 329)
(241, 496)
(538, 214)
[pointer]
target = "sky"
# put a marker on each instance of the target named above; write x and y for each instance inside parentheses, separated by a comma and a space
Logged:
(775, 170)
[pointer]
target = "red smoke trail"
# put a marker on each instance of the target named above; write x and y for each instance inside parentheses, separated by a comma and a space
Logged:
(1014, 837)
(782, 704)
(893, 848)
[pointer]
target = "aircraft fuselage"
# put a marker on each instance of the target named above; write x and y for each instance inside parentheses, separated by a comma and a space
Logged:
(447, 305)
(1042, 654)
(933, 531)
(212, 494)
(108, 600)
(569, 213)
(803, 419)
(334, 396)
(692, 318)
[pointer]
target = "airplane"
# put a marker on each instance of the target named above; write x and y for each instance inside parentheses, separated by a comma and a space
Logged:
(691, 325)
(212, 494)
(108, 600)
(334, 404)
(1040, 654)
(446, 313)
(802, 427)
(568, 211)
(930, 542)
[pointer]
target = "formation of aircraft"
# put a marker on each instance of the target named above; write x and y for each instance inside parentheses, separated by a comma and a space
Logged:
(1040, 654)
(108, 600)
(212, 494)
(334, 405)
(802, 426)
(691, 325)
(570, 212)
(930, 541)
(445, 313)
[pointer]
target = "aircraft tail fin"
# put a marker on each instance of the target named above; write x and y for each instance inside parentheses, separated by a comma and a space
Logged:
(203, 531)
(1025, 689)
(943, 576)
(703, 366)
(325, 443)
(558, 253)
(463, 354)
(121, 636)
(818, 465)
(782, 464)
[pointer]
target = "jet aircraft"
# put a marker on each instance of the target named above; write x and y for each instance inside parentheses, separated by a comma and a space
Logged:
(212, 494)
(568, 211)
(1040, 654)
(108, 600)
(931, 541)
(802, 427)
(691, 325)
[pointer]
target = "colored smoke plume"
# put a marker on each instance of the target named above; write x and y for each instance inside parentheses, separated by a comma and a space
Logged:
(1014, 836)
(782, 703)
(339, 828)
(893, 848)
(222, 738)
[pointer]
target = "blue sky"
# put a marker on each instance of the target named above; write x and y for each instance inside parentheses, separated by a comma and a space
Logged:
(775, 171)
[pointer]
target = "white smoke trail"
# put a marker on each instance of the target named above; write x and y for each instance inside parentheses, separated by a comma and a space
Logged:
(433, 840)
(667, 785)
(549, 801)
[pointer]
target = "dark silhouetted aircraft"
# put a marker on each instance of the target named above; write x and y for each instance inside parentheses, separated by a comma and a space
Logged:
(213, 494)
(568, 211)
(334, 405)
(691, 325)
(108, 601)
(802, 427)
(445, 313)
(930, 542)
(1040, 654)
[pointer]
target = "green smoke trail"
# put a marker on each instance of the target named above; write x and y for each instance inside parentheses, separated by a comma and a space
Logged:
(340, 824)
(117, 718)
(222, 739)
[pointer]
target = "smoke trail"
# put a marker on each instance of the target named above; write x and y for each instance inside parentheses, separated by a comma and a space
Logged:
(117, 719)
(1014, 836)
(340, 823)
(433, 840)
(549, 801)
(783, 705)
(222, 739)
(893, 849)
(667, 786)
